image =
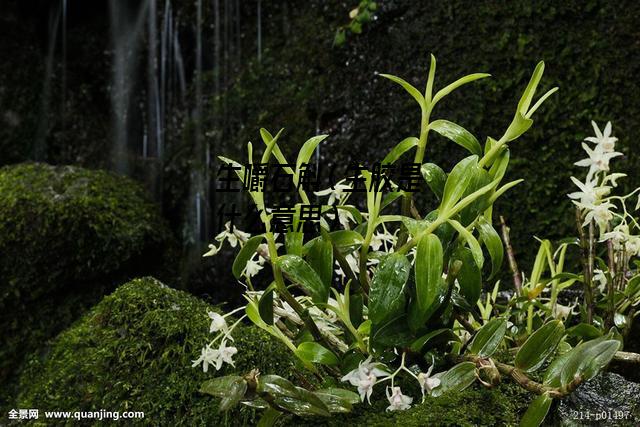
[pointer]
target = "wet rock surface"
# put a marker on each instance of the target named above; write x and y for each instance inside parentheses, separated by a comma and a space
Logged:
(608, 399)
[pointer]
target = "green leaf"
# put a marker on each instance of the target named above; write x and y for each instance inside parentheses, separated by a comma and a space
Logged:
(245, 254)
(265, 305)
(338, 400)
(474, 246)
(455, 379)
(219, 387)
(453, 86)
(386, 296)
(499, 166)
(491, 240)
(537, 411)
(480, 179)
(530, 91)
(469, 277)
(300, 272)
(269, 417)
(457, 182)
(457, 134)
(346, 240)
(435, 177)
(518, 126)
(315, 353)
(320, 257)
(294, 399)
(489, 337)
(419, 344)
(584, 360)
(415, 93)
(307, 151)
(402, 147)
(430, 288)
(414, 226)
(584, 331)
(293, 242)
(235, 393)
(539, 346)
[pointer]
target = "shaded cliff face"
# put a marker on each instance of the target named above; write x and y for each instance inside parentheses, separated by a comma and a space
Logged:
(304, 83)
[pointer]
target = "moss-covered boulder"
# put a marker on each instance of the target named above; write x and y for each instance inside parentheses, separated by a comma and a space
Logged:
(476, 406)
(61, 225)
(67, 236)
(134, 350)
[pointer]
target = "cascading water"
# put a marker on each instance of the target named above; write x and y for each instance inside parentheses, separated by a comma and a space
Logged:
(40, 150)
(126, 30)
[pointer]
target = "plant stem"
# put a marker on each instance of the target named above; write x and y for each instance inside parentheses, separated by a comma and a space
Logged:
(513, 265)
(587, 262)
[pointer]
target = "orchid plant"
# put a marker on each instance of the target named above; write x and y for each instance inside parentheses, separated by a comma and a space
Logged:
(385, 291)
(609, 245)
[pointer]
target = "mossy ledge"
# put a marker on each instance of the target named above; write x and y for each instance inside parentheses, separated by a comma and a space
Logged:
(133, 351)
(68, 236)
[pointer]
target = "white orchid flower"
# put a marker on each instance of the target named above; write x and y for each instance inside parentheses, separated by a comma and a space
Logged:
(217, 322)
(252, 268)
(397, 400)
(603, 139)
(427, 383)
(338, 193)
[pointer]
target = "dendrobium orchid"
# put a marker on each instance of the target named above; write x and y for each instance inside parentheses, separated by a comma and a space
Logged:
(365, 377)
(397, 400)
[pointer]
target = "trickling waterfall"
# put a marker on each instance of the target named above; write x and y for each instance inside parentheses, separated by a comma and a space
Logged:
(125, 34)
(40, 151)
(259, 30)
(64, 61)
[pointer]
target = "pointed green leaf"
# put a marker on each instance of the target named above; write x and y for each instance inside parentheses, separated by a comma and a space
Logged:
(461, 81)
(457, 182)
(489, 337)
(246, 253)
(457, 134)
(320, 257)
(386, 296)
(315, 353)
(435, 177)
(219, 387)
(408, 87)
(469, 277)
(491, 240)
(300, 272)
(430, 288)
(455, 379)
(346, 240)
(537, 411)
(530, 91)
(307, 150)
(269, 417)
(402, 147)
(539, 346)
(474, 246)
(265, 305)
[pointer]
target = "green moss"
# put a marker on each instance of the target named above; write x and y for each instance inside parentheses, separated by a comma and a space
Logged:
(64, 225)
(67, 235)
(475, 406)
(134, 350)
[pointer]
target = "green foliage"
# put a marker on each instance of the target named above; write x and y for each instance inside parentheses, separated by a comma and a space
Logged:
(134, 350)
(586, 56)
(64, 225)
(474, 406)
(66, 235)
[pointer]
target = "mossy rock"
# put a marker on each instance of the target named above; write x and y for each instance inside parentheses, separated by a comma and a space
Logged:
(133, 351)
(503, 405)
(61, 225)
(67, 236)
